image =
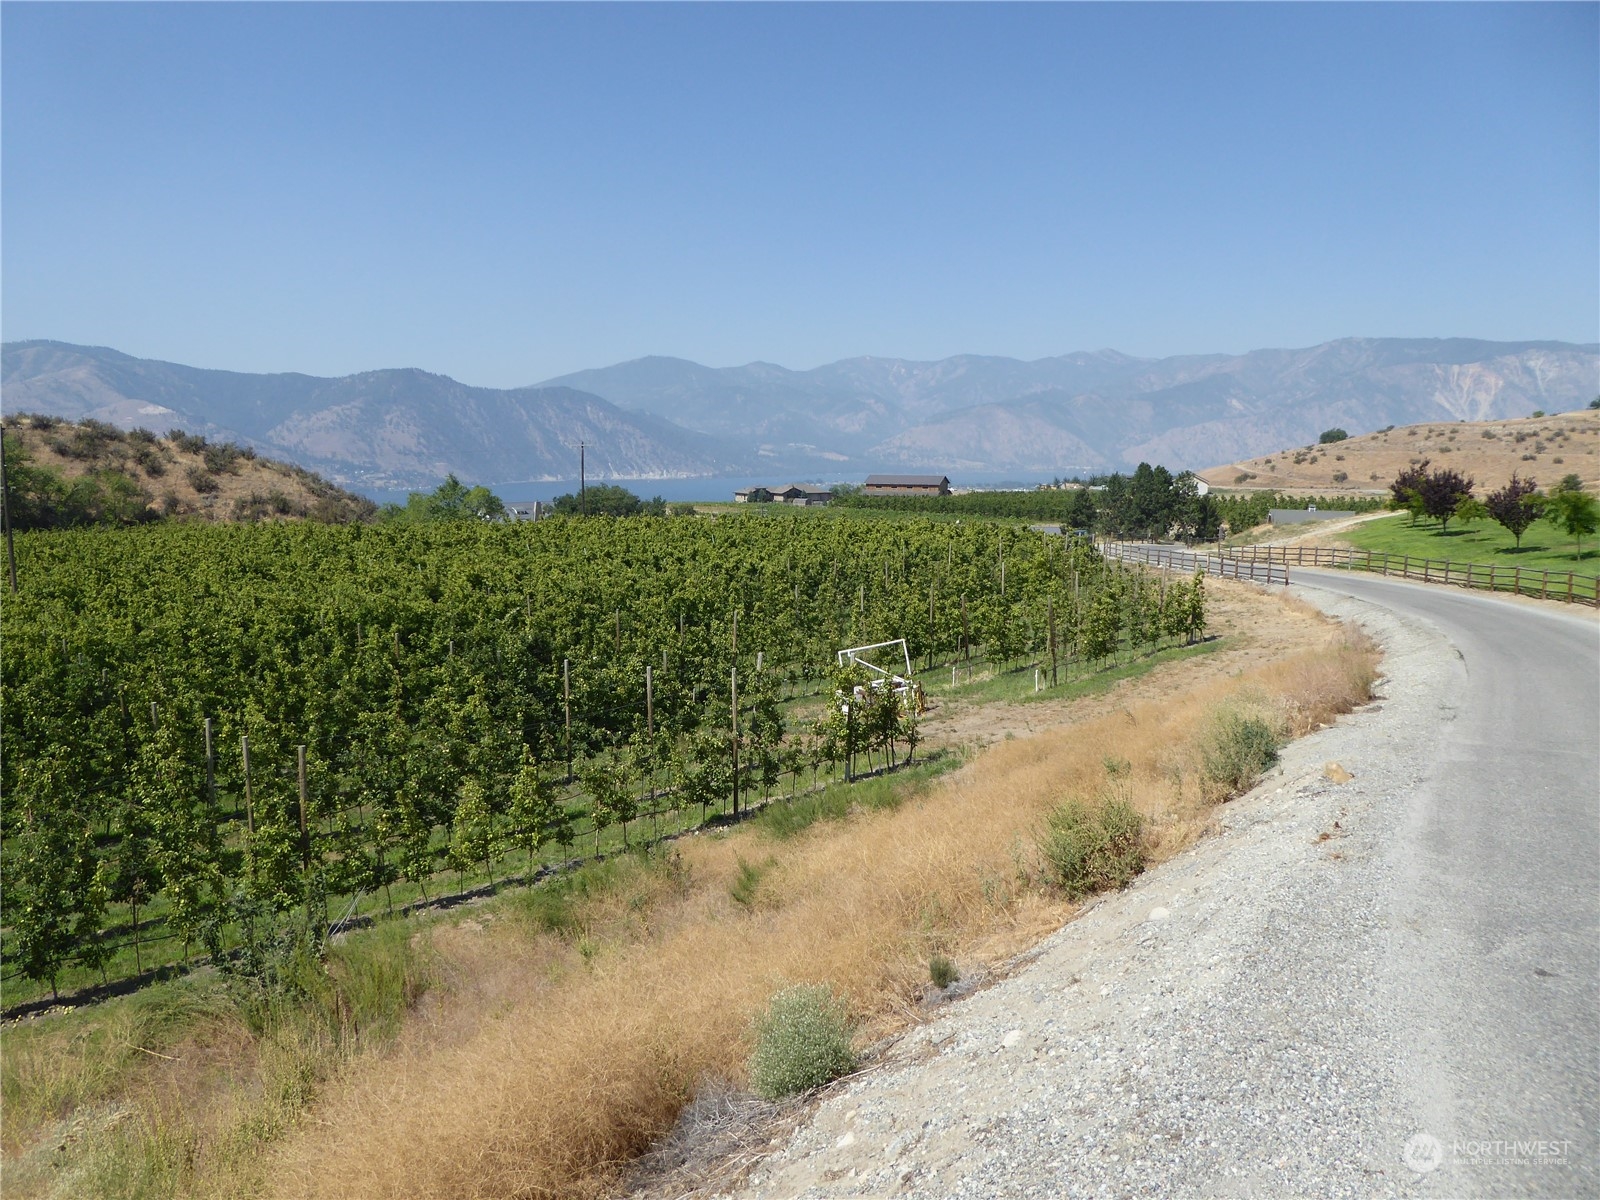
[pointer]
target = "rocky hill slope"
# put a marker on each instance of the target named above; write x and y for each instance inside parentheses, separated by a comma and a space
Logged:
(146, 475)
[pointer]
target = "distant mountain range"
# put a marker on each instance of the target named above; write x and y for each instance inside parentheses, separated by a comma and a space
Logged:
(973, 416)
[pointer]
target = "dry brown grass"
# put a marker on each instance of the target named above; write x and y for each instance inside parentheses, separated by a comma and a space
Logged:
(583, 1059)
(1488, 451)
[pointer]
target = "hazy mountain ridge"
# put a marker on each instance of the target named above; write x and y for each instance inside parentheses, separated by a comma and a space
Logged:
(1105, 409)
(388, 428)
(980, 415)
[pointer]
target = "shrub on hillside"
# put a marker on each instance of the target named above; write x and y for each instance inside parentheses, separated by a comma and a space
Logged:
(802, 1042)
(149, 460)
(942, 971)
(190, 443)
(222, 457)
(201, 480)
(1092, 847)
(1235, 751)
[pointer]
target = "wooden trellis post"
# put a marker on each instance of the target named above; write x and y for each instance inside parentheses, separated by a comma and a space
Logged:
(566, 709)
(249, 795)
(733, 692)
(1054, 677)
(305, 836)
(211, 768)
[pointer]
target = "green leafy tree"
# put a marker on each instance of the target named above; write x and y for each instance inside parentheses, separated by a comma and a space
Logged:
(416, 836)
(1329, 436)
(611, 800)
(762, 727)
(845, 726)
(171, 788)
(1194, 608)
(538, 818)
(471, 829)
(96, 876)
(1577, 514)
(1470, 508)
(702, 768)
(452, 500)
(1101, 629)
(43, 873)
(1082, 512)
(603, 500)
(911, 727)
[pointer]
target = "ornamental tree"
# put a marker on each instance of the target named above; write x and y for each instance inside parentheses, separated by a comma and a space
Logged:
(1515, 506)
(1406, 490)
(1441, 492)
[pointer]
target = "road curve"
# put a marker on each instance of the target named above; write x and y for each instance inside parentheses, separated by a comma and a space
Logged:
(1386, 986)
(1495, 961)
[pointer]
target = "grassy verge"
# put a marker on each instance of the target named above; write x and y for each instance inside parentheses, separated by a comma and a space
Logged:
(174, 1090)
(1543, 546)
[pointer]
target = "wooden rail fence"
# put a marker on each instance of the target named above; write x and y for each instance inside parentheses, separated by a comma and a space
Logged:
(1572, 587)
(1258, 571)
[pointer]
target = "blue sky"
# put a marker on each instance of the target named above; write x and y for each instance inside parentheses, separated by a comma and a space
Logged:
(503, 193)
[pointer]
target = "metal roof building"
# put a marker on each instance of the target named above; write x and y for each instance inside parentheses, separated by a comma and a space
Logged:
(906, 485)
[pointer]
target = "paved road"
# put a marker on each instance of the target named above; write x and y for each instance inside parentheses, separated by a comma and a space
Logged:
(1386, 986)
(1496, 905)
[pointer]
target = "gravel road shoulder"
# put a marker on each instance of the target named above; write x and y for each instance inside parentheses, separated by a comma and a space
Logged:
(1221, 1028)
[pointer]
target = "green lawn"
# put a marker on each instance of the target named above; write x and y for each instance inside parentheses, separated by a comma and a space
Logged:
(1543, 546)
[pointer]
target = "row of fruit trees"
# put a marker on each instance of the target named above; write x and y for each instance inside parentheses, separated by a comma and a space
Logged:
(211, 734)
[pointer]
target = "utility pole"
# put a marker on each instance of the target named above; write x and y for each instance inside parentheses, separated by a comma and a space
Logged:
(583, 491)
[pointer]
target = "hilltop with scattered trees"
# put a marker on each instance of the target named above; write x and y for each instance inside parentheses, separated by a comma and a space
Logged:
(1551, 444)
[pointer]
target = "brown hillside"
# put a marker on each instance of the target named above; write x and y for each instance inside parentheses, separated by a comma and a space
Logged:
(183, 475)
(1544, 448)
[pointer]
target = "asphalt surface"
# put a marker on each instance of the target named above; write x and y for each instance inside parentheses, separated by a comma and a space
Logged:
(1495, 960)
(1376, 981)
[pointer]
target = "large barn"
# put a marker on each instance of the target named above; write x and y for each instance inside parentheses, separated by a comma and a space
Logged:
(906, 485)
